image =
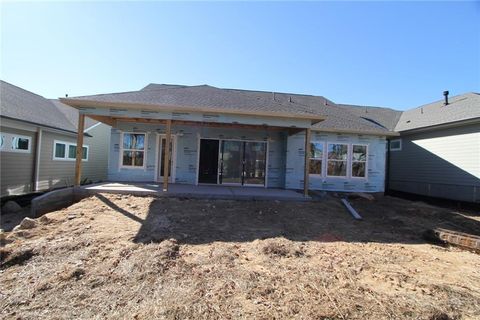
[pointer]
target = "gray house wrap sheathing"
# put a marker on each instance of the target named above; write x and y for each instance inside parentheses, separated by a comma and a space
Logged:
(438, 153)
(241, 137)
(38, 136)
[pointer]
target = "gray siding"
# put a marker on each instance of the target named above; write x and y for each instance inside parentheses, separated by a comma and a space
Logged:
(17, 169)
(443, 163)
(61, 173)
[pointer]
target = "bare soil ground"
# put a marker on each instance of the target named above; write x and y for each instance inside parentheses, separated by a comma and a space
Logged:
(117, 256)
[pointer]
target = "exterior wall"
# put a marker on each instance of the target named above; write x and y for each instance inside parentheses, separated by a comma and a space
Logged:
(374, 182)
(285, 156)
(186, 152)
(17, 168)
(61, 173)
(443, 163)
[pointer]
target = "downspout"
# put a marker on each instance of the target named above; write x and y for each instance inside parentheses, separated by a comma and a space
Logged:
(387, 168)
(36, 174)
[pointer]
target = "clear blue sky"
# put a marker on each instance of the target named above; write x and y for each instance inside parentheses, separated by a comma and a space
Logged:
(397, 54)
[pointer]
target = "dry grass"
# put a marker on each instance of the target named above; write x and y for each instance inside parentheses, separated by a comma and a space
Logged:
(143, 258)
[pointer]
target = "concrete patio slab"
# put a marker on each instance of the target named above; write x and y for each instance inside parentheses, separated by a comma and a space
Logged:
(200, 191)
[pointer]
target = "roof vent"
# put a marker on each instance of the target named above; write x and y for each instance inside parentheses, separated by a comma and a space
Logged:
(445, 94)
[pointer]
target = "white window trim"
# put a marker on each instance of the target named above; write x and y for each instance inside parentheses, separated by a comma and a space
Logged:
(8, 142)
(352, 161)
(347, 173)
(322, 169)
(67, 146)
(396, 149)
(145, 148)
(349, 160)
(4, 140)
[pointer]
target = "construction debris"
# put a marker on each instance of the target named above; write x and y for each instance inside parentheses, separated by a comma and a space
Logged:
(450, 237)
(350, 209)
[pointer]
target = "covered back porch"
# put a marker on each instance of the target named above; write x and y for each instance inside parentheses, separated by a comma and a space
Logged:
(227, 148)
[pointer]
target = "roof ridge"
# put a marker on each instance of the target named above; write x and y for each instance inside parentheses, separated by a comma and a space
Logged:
(278, 92)
(366, 106)
(174, 86)
(440, 100)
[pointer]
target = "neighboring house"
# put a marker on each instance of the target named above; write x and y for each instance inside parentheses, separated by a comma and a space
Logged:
(243, 138)
(38, 143)
(438, 152)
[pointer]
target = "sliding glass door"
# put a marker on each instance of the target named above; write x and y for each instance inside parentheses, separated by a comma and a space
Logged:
(255, 160)
(232, 155)
(243, 162)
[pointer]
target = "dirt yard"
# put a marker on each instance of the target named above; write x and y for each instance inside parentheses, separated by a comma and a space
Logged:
(125, 257)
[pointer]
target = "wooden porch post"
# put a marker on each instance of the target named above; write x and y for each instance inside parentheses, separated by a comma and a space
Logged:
(166, 163)
(78, 160)
(307, 161)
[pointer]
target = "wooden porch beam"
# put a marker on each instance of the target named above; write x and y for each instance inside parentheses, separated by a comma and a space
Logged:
(166, 162)
(307, 161)
(78, 160)
(104, 119)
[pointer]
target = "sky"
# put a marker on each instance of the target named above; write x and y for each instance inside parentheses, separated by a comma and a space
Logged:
(393, 54)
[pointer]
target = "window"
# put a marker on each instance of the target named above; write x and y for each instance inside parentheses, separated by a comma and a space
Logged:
(72, 152)
(20, 143)
(11, 142)
(396, 145)
(359, 161)
(68, 151)
(337, 160)
(60, 150)
(316, 157)
(133, 150)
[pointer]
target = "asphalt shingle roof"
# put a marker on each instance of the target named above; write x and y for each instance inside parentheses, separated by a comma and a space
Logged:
(218, 99)
(462, 107)
(20, 104)
(384, 117)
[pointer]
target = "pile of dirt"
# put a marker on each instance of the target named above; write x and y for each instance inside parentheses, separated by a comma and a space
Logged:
(119, 256)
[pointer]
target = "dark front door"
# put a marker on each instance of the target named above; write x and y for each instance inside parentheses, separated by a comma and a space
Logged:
(208, 166)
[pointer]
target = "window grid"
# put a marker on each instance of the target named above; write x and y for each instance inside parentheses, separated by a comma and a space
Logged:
(133, 153)
(346, 157)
